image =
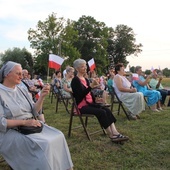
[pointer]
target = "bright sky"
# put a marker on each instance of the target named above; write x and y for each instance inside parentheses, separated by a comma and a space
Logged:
(149, 19)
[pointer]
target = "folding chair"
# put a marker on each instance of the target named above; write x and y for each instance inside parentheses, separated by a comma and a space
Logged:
(83, 119)
(52, 93)
(60, 98)
(145, 98)
(115, 100)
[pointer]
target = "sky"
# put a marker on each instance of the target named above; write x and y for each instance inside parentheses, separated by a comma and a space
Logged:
(149, 20)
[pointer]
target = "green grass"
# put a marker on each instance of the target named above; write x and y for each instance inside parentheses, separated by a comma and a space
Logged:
(147, 149)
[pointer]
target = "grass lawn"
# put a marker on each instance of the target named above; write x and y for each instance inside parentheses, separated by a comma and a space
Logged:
(147, 149)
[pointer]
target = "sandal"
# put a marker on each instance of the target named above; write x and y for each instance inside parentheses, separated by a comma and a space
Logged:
(118, 138)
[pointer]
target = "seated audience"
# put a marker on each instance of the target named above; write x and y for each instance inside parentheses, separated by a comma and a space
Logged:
(82, 92)
(28, 82)
(66, 82)
(99, 92)
(155, 83)
(133, 100)
(57, 81)
(153, 96)
(46, 150)
(110, 82)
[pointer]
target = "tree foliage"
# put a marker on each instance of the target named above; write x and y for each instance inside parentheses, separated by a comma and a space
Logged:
(122, 43)
(92, 40)
(54, 35)
(18, 55)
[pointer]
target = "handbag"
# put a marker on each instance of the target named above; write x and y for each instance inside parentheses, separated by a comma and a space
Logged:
(26, 130)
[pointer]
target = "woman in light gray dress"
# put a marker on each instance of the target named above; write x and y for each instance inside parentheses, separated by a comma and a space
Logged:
(46, 150)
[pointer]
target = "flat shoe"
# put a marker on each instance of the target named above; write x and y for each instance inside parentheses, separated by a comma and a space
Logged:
(132, 117)
(118, 138)
(155, 110)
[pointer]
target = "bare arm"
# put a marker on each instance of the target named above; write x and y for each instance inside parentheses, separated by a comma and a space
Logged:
(118, 82)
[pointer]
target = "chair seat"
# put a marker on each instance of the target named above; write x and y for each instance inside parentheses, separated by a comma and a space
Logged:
(83, 120)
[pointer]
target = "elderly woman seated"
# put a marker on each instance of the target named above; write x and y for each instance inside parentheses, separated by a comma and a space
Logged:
(155, 84)
(141, 84)
(46, 150)
(82, 92)
(133, 100)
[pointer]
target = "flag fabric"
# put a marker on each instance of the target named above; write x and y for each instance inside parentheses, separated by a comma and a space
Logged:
(152, 69)
(55, 61)
(91, 64)
(135, 76)
(37, 95)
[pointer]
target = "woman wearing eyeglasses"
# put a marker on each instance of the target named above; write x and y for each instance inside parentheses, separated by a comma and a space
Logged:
(46, 150)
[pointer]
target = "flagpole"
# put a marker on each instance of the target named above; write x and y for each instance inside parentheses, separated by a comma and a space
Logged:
(47, 74)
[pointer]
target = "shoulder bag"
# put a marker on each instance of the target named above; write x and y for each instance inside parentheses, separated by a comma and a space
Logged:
(26, 130)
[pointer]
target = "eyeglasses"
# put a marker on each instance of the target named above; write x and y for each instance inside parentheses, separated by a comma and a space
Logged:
(18, 73)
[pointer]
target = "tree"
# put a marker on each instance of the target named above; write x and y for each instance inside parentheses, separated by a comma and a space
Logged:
(147, 72)
(166, 72)
(18, 55)
(121, 43)
(54, 35)
(92, 42)
(132, 69)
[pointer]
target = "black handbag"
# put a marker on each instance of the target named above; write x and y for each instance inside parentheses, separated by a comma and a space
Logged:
(26, 130)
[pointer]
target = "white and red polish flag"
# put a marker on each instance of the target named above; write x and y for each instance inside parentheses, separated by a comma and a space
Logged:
(37, 95)
(135, 76)
(91, 64)
(55, 61)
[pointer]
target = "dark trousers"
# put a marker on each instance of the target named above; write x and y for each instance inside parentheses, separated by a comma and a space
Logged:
(104, 115)
(164, 93)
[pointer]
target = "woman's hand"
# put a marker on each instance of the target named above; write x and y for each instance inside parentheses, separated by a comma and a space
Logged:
(45, 91)
(133, 90)
(32, 122)
(94, 84)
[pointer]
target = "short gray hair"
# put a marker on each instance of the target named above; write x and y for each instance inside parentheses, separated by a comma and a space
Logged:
(78, 62)
(69, 69)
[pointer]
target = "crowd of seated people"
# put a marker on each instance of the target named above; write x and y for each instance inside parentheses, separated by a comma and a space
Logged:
(46, 150)
(50, 145)
(133, 100)
(81, 88)
(142, 85)
(100, 92)
(57, 84)
(155, 84)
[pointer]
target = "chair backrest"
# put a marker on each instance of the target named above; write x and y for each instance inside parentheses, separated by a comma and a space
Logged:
(117, 101)
(63, 99)
(74, 109)
(76, 112)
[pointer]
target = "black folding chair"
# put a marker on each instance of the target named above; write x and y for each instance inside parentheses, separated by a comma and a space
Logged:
(83, 119)
(115, 100)
(62, 99)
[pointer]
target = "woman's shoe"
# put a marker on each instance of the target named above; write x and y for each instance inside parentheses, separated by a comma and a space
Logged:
(155, 110)
(131, 116)
(160, 109)
(138, 117)
(119, 138)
